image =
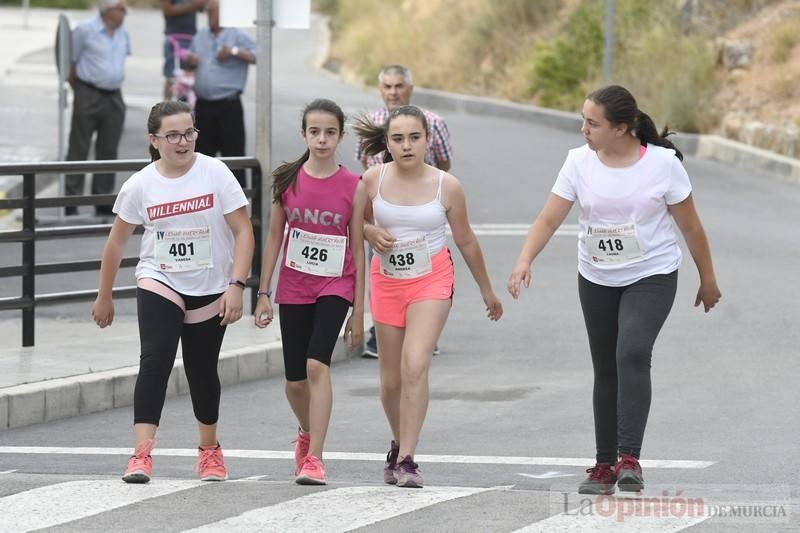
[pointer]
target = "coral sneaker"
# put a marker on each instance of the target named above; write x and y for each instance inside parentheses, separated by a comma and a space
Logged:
(391, 464)
(629, 474)
(601, 480)
(312, 472)
(140, 465)
(301, 445)
(210, 464)
(407, 474)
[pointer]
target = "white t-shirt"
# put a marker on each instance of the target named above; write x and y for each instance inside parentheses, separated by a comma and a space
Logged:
(626, 230)
(196, 201)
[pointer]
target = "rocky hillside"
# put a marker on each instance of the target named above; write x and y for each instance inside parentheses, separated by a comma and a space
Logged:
(714, 66)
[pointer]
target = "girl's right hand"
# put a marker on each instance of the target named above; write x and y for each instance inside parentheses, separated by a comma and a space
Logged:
(103, 311)
(494, 309)
(263, 312)
(380, 239)
(521, 274)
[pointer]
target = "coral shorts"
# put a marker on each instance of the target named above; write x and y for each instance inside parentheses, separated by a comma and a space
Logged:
(389, 297)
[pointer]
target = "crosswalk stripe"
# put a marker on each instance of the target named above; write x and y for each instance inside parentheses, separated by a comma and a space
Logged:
(64, 502)
(356, 456)
(337, 510)
(499, 230)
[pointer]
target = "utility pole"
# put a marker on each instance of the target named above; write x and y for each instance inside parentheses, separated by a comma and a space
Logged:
(264, 103)
(608, 51)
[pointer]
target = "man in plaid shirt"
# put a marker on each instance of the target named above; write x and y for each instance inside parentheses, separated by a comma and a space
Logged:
(396, 85)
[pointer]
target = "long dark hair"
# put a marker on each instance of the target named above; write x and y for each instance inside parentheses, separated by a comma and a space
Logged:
(373, 136)
(621, 108)
(158, 112)
(286, 174)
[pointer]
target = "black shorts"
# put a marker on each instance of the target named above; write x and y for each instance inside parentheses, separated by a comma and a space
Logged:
(310, 331)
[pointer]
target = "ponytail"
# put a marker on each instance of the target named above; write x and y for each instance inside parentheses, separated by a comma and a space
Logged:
(645, 130)
(372, 137)
(285, 176)
(621, 108)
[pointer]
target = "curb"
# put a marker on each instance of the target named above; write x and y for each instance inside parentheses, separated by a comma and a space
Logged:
(55, 399)
(704, 146)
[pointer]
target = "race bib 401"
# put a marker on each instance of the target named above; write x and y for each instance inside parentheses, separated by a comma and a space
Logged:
(179, 250)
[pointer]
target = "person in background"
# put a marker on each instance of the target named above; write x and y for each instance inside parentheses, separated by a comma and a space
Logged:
(180, 18)
(221, 57)
(100, 46)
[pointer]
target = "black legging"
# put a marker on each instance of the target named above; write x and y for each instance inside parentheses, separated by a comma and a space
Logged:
(623, 323)
(160, 327)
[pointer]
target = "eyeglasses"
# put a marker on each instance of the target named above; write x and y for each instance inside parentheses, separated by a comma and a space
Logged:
(175, 138)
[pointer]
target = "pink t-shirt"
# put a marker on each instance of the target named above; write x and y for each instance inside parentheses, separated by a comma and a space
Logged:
(322, 206)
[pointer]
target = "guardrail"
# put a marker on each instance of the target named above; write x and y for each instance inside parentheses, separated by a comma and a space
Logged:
(30, 233)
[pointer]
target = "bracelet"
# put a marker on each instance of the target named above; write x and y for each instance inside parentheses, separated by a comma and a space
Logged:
(267, 293)
(238, 283)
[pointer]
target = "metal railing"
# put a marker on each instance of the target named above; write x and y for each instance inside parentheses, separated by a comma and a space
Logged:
(29, 202)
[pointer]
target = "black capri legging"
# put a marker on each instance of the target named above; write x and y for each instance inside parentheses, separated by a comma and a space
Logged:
(162, 322)
(623, 323)
(310, 331)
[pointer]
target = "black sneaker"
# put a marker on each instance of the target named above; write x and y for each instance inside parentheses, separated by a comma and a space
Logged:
(371, 347)
(601, 480)
(629, 474)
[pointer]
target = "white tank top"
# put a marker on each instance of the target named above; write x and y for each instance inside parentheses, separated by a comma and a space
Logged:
(408, 222)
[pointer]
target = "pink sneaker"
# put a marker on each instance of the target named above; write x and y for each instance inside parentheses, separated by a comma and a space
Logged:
(301, 445)
(140, 465)
(210, 464)
(312, 472)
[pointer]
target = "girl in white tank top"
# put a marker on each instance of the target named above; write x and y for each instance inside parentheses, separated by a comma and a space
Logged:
(411, 203)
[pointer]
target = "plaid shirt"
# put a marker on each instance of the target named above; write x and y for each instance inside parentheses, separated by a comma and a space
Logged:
(439, 150)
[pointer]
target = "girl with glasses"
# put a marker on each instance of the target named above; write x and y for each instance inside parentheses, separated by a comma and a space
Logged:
(194, 260)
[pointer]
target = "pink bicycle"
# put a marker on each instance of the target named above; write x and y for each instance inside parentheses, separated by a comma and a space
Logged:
(183, 80)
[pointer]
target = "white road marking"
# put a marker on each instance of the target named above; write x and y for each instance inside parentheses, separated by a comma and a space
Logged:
(500, 230)
(7, 472)
(64, 502)
(338, 510)
(355, 456)
(546, 475)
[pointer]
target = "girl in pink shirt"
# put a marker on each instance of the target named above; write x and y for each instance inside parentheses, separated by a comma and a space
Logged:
(319, 206)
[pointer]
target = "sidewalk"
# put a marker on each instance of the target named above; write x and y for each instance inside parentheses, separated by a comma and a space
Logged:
(66, 374)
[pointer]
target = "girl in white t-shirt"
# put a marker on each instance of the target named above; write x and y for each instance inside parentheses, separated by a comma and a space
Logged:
(630, 184)
(193, 262)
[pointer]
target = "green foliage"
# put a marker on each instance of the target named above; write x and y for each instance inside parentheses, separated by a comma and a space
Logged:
(562, 67)
(783, 40)
(326, 7)
(672, 75)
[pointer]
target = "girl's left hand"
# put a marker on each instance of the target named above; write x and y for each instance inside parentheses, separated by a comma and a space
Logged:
(354, 330)
(230, 308)
(708, 294)
(494, 309)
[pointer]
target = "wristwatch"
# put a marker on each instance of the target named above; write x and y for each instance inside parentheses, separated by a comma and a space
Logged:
(235, 51)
